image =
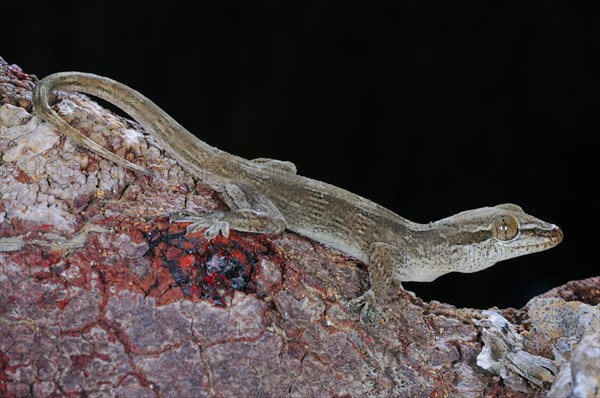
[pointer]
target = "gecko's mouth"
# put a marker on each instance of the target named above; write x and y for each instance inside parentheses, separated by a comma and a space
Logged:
(546, 237)
(558, 235)
(554, 235)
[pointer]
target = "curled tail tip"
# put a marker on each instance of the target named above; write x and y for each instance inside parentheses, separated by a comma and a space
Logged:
(141, 169)
(150, 173)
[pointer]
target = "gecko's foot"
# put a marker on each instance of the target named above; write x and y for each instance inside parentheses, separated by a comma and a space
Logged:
(218, 227)
(213, 227)
(370, 312)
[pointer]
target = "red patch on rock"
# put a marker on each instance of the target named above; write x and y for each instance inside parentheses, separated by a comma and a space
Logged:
(206, 270)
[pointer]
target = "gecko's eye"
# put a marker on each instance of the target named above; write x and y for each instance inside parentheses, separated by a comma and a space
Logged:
(505, 227)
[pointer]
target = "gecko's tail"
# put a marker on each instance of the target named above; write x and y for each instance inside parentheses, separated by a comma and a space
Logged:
(76, 82)
(151, 117)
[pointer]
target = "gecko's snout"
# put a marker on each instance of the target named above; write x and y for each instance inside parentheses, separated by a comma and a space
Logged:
(553, 235)
(556, 234)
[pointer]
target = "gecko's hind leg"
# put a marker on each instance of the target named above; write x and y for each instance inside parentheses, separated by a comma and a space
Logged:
(251, 211)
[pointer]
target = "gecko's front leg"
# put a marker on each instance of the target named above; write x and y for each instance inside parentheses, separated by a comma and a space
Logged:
(250, 211)
(385, 261)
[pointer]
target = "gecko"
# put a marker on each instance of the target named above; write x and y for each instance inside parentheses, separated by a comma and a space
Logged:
(267, 196)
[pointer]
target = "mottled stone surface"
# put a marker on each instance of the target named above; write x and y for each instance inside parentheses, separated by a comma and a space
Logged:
(102, 296)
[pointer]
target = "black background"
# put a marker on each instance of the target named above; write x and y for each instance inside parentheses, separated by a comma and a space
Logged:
(428, 109)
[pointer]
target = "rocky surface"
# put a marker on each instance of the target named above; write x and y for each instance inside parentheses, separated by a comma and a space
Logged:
(102, 296)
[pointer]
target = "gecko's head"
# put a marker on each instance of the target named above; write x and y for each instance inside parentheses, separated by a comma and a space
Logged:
(479, 238)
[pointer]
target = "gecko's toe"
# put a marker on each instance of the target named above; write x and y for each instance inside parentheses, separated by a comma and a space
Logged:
(185, 216)
(219, 227)
(194, 227)
(370, 312)
(360, 301)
